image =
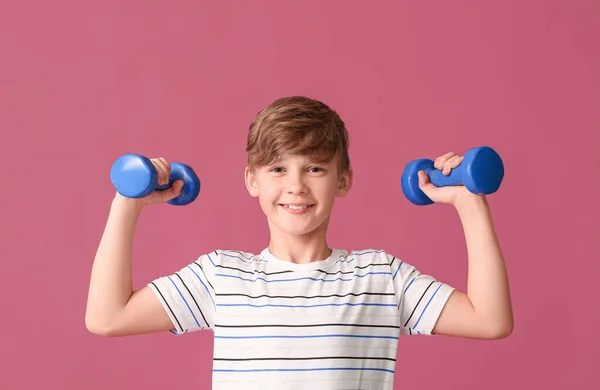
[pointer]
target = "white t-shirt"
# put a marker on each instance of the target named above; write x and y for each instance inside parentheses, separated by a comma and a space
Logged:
(331, 324)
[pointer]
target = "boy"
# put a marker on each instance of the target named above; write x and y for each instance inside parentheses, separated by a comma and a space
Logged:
(300, 315)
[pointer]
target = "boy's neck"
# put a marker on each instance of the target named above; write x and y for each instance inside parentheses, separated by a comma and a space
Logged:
(300, 249)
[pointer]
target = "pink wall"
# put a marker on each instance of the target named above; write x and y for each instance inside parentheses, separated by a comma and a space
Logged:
(84, 82)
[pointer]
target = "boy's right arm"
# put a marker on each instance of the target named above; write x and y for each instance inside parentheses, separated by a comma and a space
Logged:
(113, 308)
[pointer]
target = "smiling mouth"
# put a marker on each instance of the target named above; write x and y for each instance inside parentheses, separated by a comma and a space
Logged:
(296, 207)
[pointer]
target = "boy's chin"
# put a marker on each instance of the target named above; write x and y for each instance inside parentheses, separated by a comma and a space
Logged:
(297, 230)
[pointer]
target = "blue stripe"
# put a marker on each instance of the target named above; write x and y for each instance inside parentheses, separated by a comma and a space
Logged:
(423, 312)
(358, 254)
(310, 369)
(305, 278)
(188, 306)
(397, 270)
(206, 288)
(307, 306)
(213, 263)
(244, 260)
(411, 282)
(316, 336)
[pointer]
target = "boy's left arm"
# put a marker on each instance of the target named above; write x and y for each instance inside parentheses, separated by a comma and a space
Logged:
(485, 312)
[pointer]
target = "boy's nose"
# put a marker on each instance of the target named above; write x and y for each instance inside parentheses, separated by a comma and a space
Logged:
(295, 185)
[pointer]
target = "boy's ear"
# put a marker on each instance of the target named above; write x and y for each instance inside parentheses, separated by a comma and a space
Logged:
(251, 183)
(345, 183)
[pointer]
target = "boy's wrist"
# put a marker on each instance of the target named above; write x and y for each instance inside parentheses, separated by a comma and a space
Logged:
(127, 204)
(471, 203)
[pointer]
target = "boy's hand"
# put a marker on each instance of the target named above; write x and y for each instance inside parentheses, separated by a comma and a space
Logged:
(450, 194)
(164, 172)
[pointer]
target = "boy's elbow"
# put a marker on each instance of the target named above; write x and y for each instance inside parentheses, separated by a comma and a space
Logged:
(500, 330)
(99, 328)
(500, 334)
(508, 329)
(94, 327)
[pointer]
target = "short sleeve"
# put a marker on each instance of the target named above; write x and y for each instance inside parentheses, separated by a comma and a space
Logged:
(420, 297)
(188, 295)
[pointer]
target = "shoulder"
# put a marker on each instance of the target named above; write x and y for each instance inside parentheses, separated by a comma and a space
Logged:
(366, 256)
(233, 257)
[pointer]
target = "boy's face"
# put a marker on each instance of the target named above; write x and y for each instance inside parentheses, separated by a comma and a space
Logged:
(296, 194)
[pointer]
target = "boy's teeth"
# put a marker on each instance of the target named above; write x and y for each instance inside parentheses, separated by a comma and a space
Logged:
(297, 207)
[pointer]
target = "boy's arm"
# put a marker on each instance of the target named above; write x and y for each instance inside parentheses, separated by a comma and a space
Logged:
(113, 309)
(485, 312)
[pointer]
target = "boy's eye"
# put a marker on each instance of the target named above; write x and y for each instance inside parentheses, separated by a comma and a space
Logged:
(311, 169)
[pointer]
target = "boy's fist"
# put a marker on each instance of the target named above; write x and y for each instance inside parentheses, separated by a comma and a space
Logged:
(449, 194)
(163, 168)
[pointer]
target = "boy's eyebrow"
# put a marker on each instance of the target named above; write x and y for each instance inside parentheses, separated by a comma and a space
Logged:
(311, 162)
(281, 160)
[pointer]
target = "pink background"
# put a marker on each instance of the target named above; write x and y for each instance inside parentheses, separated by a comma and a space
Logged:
(84, 82)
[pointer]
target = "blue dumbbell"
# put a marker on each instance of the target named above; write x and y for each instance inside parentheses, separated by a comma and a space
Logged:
(481, 171)
(135, 176)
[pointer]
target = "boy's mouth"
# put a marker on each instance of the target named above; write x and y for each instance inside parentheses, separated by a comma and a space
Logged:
(296, 208)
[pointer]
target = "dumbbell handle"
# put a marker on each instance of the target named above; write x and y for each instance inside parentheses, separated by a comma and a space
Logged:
(438, 179)
(179, 171)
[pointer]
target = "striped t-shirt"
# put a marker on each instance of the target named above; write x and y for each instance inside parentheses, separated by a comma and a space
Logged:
(331, 324)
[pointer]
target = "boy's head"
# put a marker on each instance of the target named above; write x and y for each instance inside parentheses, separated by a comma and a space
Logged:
(298, 163)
